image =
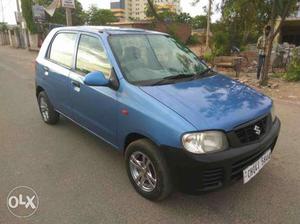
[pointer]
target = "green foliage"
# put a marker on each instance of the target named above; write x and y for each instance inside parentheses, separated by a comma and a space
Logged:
(246, 19)
(97, 16)
(208, 57)
(169, 16)
(3, 26)
(27, 14)
(199, 22)
(193, 40)
(293, 73)
(59, 17)
(221, 41)
(184, 18)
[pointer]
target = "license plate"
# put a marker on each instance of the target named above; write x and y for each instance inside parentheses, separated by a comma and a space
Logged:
(254, 169)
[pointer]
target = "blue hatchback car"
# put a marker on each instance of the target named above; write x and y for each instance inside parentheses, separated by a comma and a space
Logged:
(177, 122)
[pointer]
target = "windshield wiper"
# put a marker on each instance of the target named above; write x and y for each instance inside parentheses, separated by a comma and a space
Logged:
(172, 77)
(204, 73)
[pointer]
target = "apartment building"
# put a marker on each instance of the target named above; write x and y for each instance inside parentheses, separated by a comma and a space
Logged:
(135, 9)
(118, 8)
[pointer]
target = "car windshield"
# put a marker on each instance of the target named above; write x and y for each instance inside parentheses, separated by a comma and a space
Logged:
(149, 59)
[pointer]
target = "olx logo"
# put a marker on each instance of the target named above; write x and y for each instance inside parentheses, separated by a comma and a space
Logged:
(22, 201)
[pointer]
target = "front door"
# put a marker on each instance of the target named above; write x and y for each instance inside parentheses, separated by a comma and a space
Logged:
(94, 107)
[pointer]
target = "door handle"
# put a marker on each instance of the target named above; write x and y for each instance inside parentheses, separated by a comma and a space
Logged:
(75, 83)
(46, 69)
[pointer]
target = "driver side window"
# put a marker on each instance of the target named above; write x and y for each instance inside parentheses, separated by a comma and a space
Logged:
(92, 57)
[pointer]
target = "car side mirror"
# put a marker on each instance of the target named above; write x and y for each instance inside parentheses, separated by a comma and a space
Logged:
(95, 79)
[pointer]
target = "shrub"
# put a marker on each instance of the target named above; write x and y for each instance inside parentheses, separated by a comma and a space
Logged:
(208, 57)
(3, 26)
(221, 43)
(193, 40)
(293, 72)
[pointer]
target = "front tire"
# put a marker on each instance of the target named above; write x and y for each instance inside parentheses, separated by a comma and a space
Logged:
(147, 170)
(49, 115)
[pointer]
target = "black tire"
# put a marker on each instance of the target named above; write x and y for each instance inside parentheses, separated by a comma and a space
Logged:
(164, 185)
(52, 117)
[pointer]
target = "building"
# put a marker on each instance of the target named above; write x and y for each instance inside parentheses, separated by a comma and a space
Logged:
(135, 9)
(290, 31)
(172, 5)
(118, 8)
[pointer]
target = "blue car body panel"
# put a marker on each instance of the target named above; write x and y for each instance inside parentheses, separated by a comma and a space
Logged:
(161, 113)
(148, 117)
(215, 102)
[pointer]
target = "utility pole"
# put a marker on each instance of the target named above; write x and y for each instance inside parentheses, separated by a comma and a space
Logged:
(208, 24)
(18, 6)
(69, 16)
(21, 33)
(68, 5)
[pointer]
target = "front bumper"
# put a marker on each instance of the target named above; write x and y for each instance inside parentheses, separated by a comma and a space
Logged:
(202, 173)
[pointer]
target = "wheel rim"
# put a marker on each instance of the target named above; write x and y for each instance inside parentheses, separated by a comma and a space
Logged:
(44, 109)
(142, 171)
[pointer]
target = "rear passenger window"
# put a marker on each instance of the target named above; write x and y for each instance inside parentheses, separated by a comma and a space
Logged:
(62, 49)
(91, 56)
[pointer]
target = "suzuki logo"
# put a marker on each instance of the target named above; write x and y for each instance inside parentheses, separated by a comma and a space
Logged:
(257, 130)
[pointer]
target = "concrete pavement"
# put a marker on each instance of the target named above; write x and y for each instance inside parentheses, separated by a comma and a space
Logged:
(80, 179)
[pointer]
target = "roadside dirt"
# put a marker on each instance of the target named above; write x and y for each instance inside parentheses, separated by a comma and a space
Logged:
(277, 88)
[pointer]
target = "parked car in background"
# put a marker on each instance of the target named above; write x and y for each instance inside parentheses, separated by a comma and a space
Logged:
(177, 122)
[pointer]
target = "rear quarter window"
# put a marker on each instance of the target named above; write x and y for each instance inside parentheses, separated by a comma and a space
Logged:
(62, 49)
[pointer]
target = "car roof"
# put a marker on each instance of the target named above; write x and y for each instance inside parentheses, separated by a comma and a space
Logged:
(109, 30)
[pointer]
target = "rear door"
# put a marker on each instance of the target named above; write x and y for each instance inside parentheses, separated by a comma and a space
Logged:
(94, 107)
(56, 70)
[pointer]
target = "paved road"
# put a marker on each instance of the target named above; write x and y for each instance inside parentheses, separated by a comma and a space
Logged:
(80, 179)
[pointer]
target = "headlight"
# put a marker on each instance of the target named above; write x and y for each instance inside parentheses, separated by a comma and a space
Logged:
(273, 114)
(205, 142)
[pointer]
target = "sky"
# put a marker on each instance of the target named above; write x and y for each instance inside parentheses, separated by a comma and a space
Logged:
(9, 6)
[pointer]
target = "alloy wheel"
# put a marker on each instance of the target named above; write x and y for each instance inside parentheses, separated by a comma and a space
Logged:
(142, 171)
(44, 109)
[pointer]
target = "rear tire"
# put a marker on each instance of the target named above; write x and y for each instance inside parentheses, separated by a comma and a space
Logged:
(49, 115)
(147, 170)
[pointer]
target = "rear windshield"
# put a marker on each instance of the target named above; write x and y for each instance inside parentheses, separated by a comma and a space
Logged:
(146, 59)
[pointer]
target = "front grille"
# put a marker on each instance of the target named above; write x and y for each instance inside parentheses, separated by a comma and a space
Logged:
(212, 178)
(238, 167)
(252, 132)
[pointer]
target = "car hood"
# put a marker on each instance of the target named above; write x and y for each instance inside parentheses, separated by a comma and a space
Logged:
(215, 102)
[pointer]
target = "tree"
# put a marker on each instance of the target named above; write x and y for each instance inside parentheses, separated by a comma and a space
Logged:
(167, 15)
(184, 18)
(210, 2)
(59, 17)
(97, 16)
(153, 10)
(245, 20)
(280, 9)
(3, 26)
(27, 14)
(199, 22)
